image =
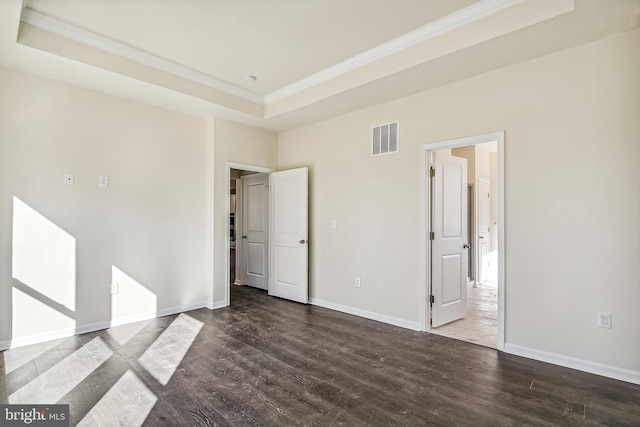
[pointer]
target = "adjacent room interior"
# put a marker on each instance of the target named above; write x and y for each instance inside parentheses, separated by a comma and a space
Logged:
(224, 212)
(479, 323)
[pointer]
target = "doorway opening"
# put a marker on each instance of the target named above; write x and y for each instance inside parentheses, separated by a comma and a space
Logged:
(464, 239)
(237, 175)
(267, 237)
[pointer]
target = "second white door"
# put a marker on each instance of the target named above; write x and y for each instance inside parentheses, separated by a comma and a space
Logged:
(255, 230)
(289, 244)
(449, 244)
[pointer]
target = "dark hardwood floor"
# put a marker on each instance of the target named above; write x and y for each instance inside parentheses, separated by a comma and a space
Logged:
(269, 362)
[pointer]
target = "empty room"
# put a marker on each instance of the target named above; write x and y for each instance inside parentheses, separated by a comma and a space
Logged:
(311, 212)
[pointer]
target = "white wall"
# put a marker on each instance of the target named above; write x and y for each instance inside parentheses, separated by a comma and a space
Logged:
(234, 143)
(67, 243)
(572, 229)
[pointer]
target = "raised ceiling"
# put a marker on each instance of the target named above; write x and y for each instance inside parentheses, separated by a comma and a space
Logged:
(313, 59)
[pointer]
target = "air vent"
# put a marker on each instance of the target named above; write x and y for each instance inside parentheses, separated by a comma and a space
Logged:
(385, 139)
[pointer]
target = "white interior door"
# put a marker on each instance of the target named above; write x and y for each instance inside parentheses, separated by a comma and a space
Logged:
(484, 229)
(255, 230)
(288, 245)
(449, 245)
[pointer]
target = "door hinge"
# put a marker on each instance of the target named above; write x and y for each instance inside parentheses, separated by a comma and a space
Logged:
(432, 172)
(432, 299)
(432, 235)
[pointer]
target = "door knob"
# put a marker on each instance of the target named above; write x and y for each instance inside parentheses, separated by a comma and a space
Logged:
(244, 237)
(466, 246)
(480, 237)
(302, 241)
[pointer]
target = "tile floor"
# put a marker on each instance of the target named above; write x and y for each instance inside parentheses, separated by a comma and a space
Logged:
(480, 326)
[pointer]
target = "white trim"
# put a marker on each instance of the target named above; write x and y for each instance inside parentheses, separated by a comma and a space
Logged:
(502, 245)
(425, 218)
(574, 363)
(458, 19)
(98, 326)
(50, 336)
(211, 208)
(407, 324)
(227, 240)
(72, 32)
(218, 304)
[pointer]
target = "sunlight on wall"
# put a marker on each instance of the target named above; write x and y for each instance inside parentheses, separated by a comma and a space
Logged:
(165, 354)
(489, 265)
(127, 403)
(33, 318)
(44, 269)
(133, 301)
(59, 380)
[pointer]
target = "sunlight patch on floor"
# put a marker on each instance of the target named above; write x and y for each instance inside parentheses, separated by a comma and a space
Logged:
(56, 382)
(165, 354)
(127, 403)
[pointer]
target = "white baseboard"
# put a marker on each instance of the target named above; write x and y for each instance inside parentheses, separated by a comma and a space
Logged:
(181, 309)
(574, 363)
(40, 338)
(415, 326)
(97, 326)
(92, 327)
(218, 304)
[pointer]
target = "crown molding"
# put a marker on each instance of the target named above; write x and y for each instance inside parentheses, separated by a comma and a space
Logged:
(455, 20)
(458, 19)
(80, 35)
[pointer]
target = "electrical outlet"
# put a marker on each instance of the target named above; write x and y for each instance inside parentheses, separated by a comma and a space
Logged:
(604, 320)
(114, 288)
(334, 224)
(357, 282)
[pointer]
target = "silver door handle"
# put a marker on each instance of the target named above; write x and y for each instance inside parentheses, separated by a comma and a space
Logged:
(244, 237)
(466, 246)
(302, 241)
(480, 237)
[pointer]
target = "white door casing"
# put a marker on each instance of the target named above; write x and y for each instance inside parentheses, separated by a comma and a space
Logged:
(484, 230)
(288, 243)
(449, 246)
(255, 230)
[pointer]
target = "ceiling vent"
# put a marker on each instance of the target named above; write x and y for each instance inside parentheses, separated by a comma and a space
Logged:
(385, 139)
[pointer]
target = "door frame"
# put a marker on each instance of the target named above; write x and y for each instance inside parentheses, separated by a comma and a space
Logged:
(425, 220)
(227, 272)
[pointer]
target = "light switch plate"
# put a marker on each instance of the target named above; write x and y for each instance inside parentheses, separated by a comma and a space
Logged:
(68, 178)
(103, 181)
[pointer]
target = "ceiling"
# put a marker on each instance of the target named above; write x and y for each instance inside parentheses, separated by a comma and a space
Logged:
(311, 59)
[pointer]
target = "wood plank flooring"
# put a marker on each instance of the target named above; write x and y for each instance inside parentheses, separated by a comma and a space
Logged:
(269, 362)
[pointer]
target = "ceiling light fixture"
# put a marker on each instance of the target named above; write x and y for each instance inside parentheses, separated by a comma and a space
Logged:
(249, 78)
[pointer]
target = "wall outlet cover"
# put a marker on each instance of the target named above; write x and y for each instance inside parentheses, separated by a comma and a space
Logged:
(604, 320)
